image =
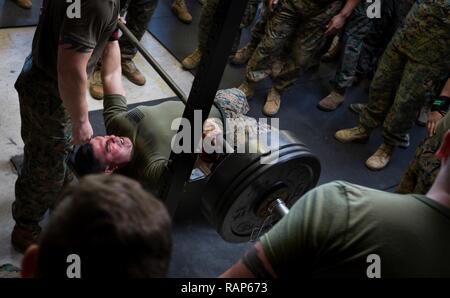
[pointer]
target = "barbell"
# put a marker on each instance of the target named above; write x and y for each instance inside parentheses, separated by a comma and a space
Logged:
(149, 58)
(242, 193)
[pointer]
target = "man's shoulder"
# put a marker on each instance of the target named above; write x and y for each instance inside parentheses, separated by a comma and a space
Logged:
(343, 187)
(103, 11)
(169, 109)
(349, 192)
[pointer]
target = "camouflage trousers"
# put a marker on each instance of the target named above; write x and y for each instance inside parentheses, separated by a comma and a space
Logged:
(139, 14)
(423, 169)
(233, 102)
(46, 133)
(259, 29)
(396, 95)
(207, 18)
(293, 37)
(393, 13)
(357, 27)
(239, 127)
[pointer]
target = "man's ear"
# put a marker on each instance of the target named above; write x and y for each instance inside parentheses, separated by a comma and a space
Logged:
(29, 262)
(444, 151)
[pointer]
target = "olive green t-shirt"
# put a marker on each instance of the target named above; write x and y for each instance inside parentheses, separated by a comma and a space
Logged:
(151, 129)
(333, 229)
(95, 25)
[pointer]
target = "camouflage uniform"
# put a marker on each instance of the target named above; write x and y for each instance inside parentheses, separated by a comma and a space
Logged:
(302, 22)
(233, 102)
(235, 107)
(259, 29)
(423, 169)
(418, 54)
(206, 19)
(357, 27)
(139, 14)
(393, 14)
(46, 133)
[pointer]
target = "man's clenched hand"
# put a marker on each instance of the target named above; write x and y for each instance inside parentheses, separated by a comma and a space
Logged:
(81, 133)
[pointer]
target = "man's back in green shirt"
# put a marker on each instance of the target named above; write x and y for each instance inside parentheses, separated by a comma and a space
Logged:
(334, 228)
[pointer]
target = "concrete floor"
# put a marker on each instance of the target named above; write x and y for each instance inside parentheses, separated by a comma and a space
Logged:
(15, 44)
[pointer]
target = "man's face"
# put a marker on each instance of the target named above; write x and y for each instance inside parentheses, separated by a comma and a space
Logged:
(113, 152)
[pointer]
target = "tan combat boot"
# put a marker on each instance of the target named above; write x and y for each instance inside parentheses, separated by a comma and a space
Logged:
(193, 60)
(380, 159)
(243, 55)
(22, 238)
(248, 88)
(27, 4)
(96, 85)
(273, 102)
(181, 11)
(331, 102)
(356, 134)
(130, 71)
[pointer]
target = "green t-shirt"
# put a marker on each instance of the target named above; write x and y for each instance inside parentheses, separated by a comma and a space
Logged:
(333, 229)
(97, 22)
(149, 128)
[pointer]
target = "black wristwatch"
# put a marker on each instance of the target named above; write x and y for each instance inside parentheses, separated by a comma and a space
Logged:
(441, 104)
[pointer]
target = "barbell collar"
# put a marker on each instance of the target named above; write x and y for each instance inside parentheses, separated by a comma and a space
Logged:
(280, 208)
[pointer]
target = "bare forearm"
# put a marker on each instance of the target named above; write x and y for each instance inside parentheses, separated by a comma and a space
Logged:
(112, 70)
(261, 263)
(338, 21)
(73, 59)
(348, 8)
(72, 88)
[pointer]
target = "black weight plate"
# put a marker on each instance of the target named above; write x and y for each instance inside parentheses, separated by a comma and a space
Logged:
(240, 185)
